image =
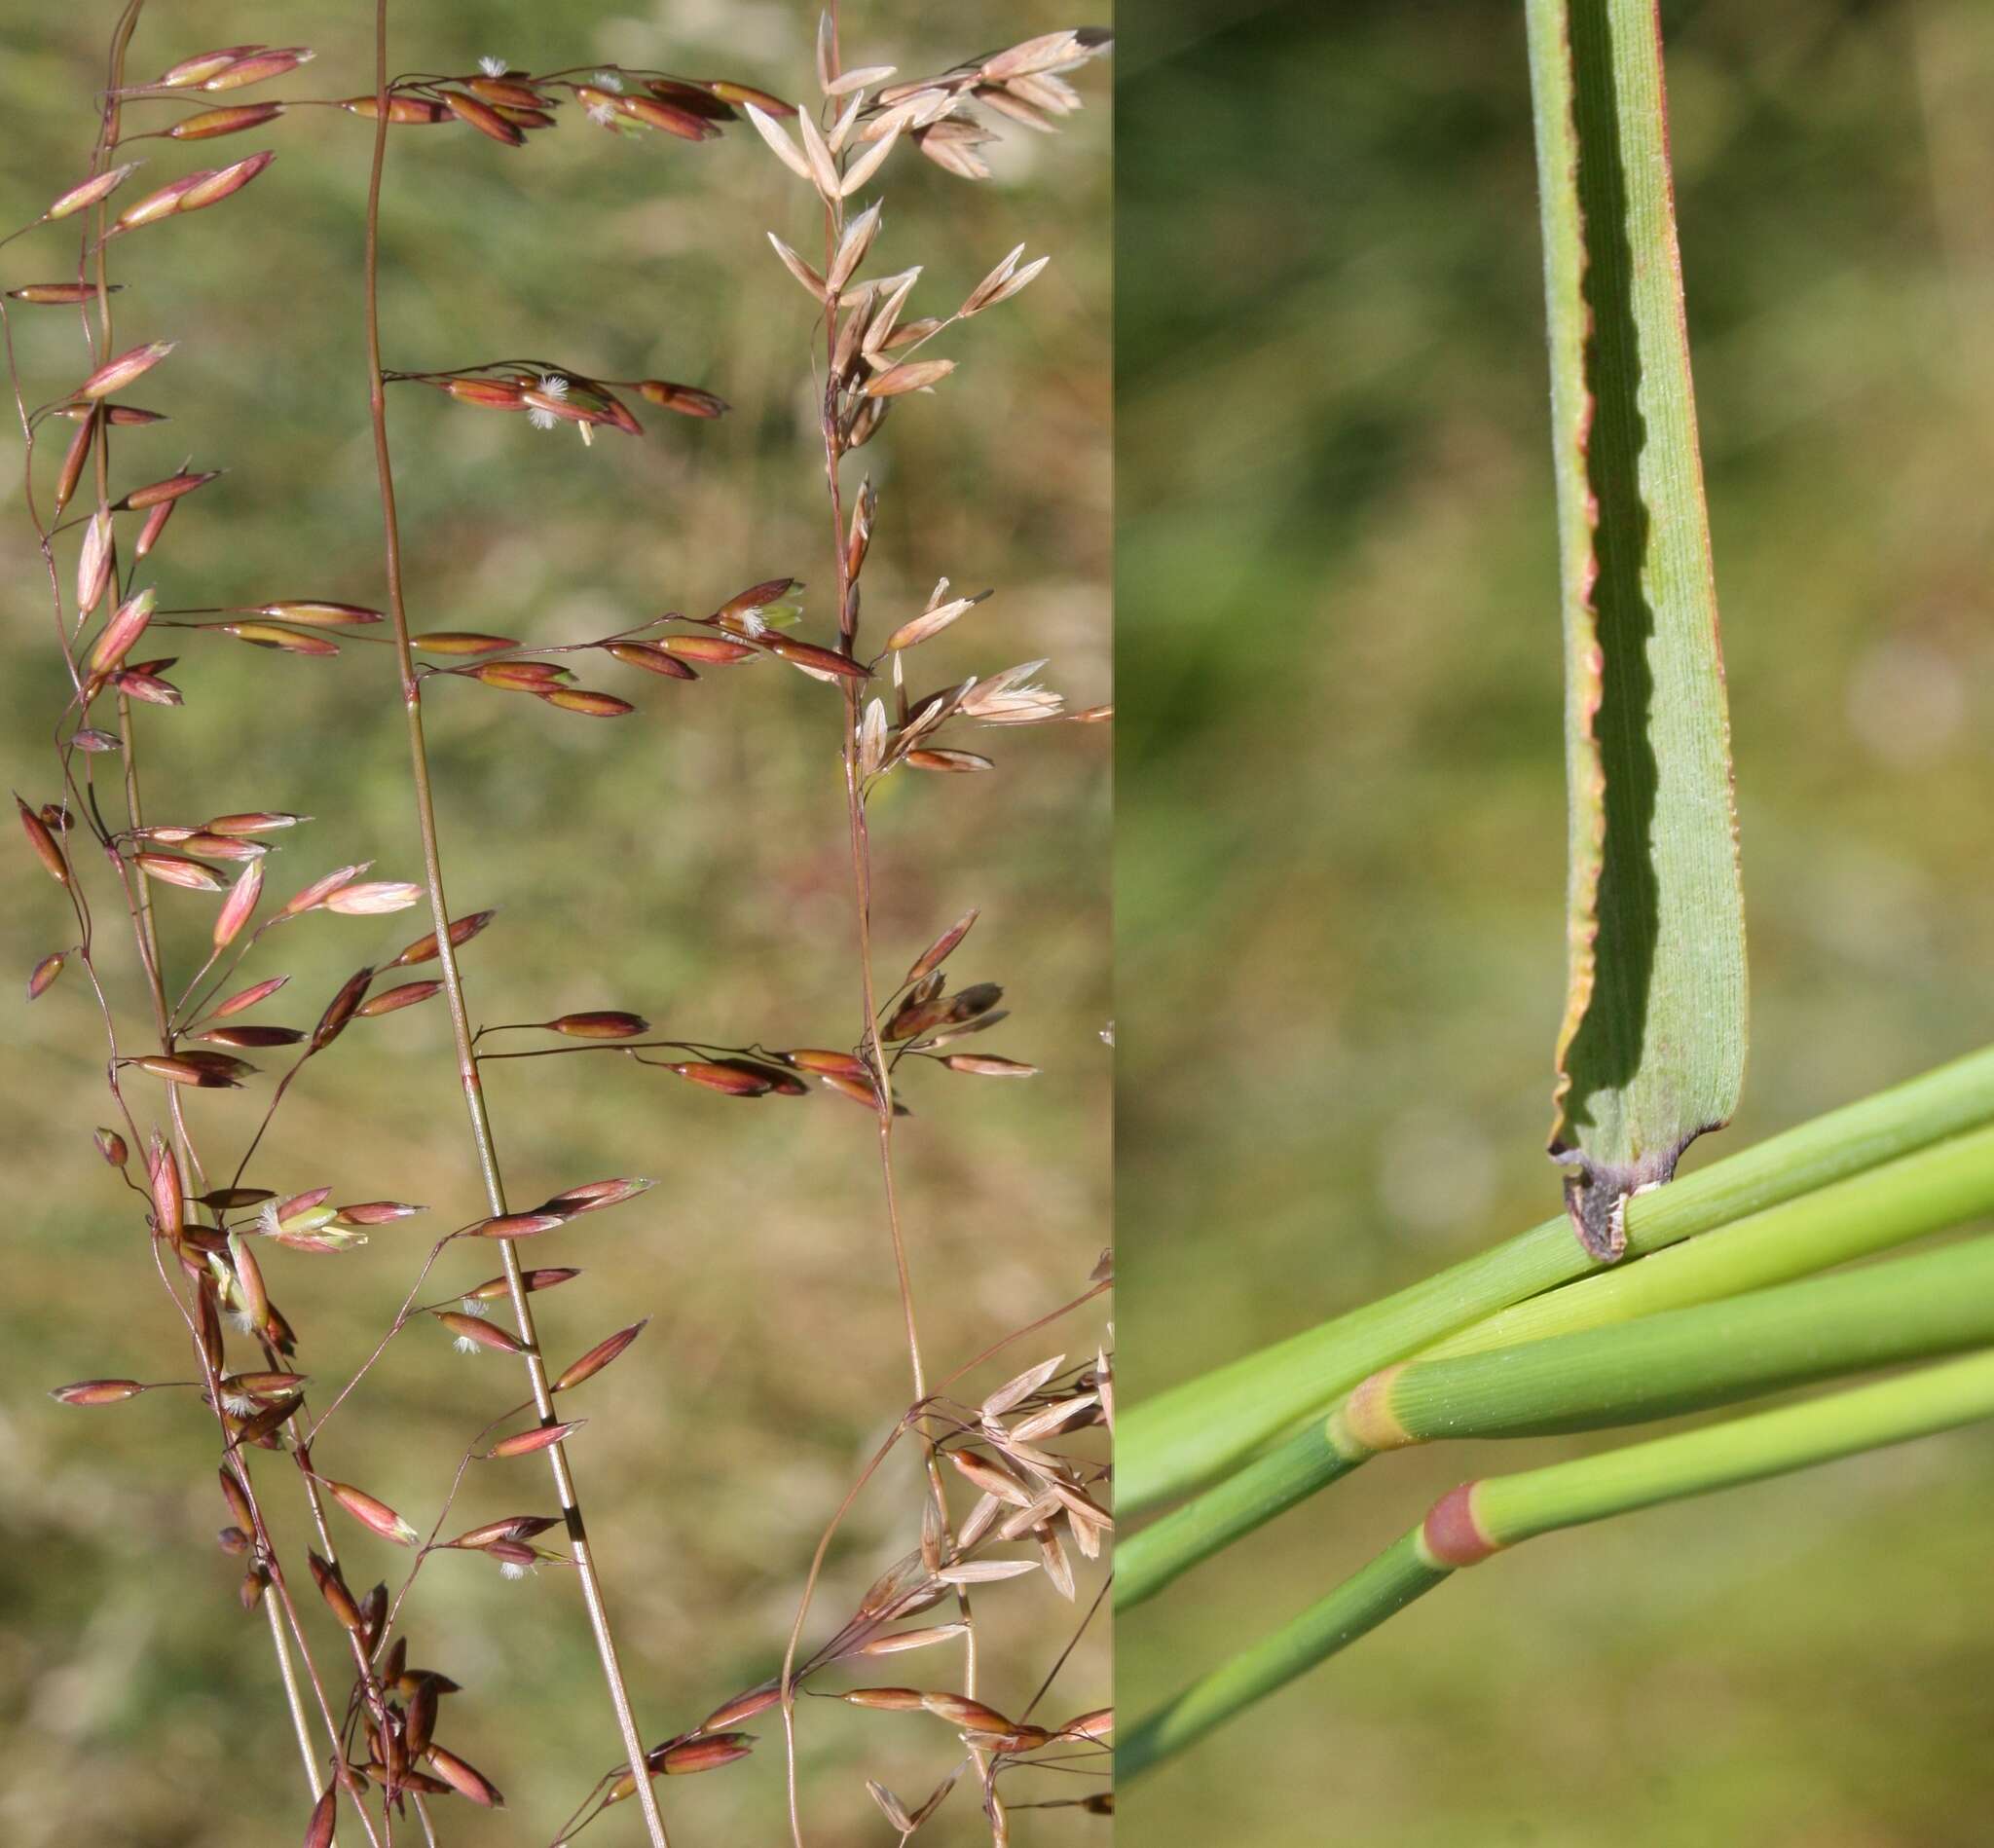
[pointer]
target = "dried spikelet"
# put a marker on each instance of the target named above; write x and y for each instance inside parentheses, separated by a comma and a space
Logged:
(986, 1571)
(938, 614)
(798, 269)
(913, 375)
(94, 562)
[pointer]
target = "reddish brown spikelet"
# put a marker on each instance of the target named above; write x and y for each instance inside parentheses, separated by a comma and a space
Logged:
(706, 1754)
(159, 491)
(754, 598)
(655, 113)
(184, 1069)
(741, 1707)
(490, 394)
(519, 677)
(960, 1710)
(154, 525)
(111, 1146)
(602, 1023)
(246, 1038)
(461, 930)
(514, 1527)
(120, 635)
(860, 1090)
(1097, 1725)
(419, 1720)
(376, 1212)
(58, 294)
(371, 1513)
(483, 118)
(394, 1000)
(808, 656)
(341, 1009)
(687, 400)
(225, 182)
(267, 635)
(729, 92)
(97, 186)
(400, 109)
(43, 975)
(252, 822)
(163, 1177)
(530, 1280)
(461, 642)
(246, 998)
(202, 65)
(257, 66)
(651, 657)
(890, 1700)
(464, 1779)
(240, 906)
(233, 120)
(501, 90)
(593, 1195)
(338, 1599)
(97, 1392)
(515, 1225)
(599, 1357)
(730, 1081)
(476, 1329)
(73, 460)
(316, 614)
(710, 648)
(941, 948)
(542, 1437)
(177, 869)
(44, 842)
(238, 1500)
(587, 702)
(318, 1831)
(815, 1058)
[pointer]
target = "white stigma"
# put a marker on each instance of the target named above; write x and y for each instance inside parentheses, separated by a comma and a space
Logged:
(512, 1568)
(541, 420)
(464, 1345)
(494, 66)
(553, 385)
(610, 81)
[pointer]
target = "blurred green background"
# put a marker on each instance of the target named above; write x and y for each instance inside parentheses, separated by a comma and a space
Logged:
(689, 863)
(1340, 844)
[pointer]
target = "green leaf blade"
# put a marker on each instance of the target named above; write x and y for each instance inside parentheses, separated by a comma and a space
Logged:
(1652, 1048)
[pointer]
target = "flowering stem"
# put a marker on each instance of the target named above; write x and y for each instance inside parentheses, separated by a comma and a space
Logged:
(459, 1020)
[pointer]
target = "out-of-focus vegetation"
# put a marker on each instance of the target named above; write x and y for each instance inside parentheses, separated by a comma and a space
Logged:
(689, 863)
(1340, 863)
